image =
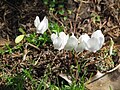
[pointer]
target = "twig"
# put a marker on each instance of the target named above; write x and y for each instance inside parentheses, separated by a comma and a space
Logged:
(25, 52)
(77, 14)
(33, 46)
(101, 25)
(71, 26)
(115, 27)
(49, 31)
(12, 6)
(57, 19)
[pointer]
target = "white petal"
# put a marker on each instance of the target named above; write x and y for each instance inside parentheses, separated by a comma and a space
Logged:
(93, 44)
(36, 21)
(57, 43)
(62, 34)
(84, 38)
(60, 41)
(43, 26)
(80, 48)
(82, 41)
(64, 38)
(72, 43)
(53, 36)
(98, 34)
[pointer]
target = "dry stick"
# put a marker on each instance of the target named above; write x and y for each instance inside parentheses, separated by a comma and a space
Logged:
(33, 46)
(14, 66)
(57, 19)
(118, 21)
(38, 59)
(25, 52)
(71, 26)
(101, 25)
(115, 27)
(52, 63)
(49, 31)
(77, 14)
(9, 72)
(11, 5)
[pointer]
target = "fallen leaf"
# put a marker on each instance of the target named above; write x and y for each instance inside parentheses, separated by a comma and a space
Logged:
(3, 42)
(65, 78)
(19, 38)
(105, 81)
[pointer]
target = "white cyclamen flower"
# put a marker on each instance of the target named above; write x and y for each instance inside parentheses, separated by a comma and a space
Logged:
(81, 43)
(42, 26)
(95, 42)
(59, 41)
(72, 43)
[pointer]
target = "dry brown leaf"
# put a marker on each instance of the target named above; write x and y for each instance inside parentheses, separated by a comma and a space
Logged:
(3, 41)
(105, 81)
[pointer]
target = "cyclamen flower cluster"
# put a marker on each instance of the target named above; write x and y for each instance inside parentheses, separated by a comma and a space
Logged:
(63, 41)
(84, 42)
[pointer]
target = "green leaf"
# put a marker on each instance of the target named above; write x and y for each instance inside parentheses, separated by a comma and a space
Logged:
(19, 38)
(97, 18)
(22, 31)
(69, 12)
(61, 12)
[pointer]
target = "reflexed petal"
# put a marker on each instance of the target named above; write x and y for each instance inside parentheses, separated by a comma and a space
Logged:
(93, 44)
(60, 41)
(43, 26)
(62, 34)
(72, 43)
(46, 24)
(64, 38)
(36, 21)
(57, 43)
(80, 48)
(82, 40)
(53, 36)
(98, 34)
